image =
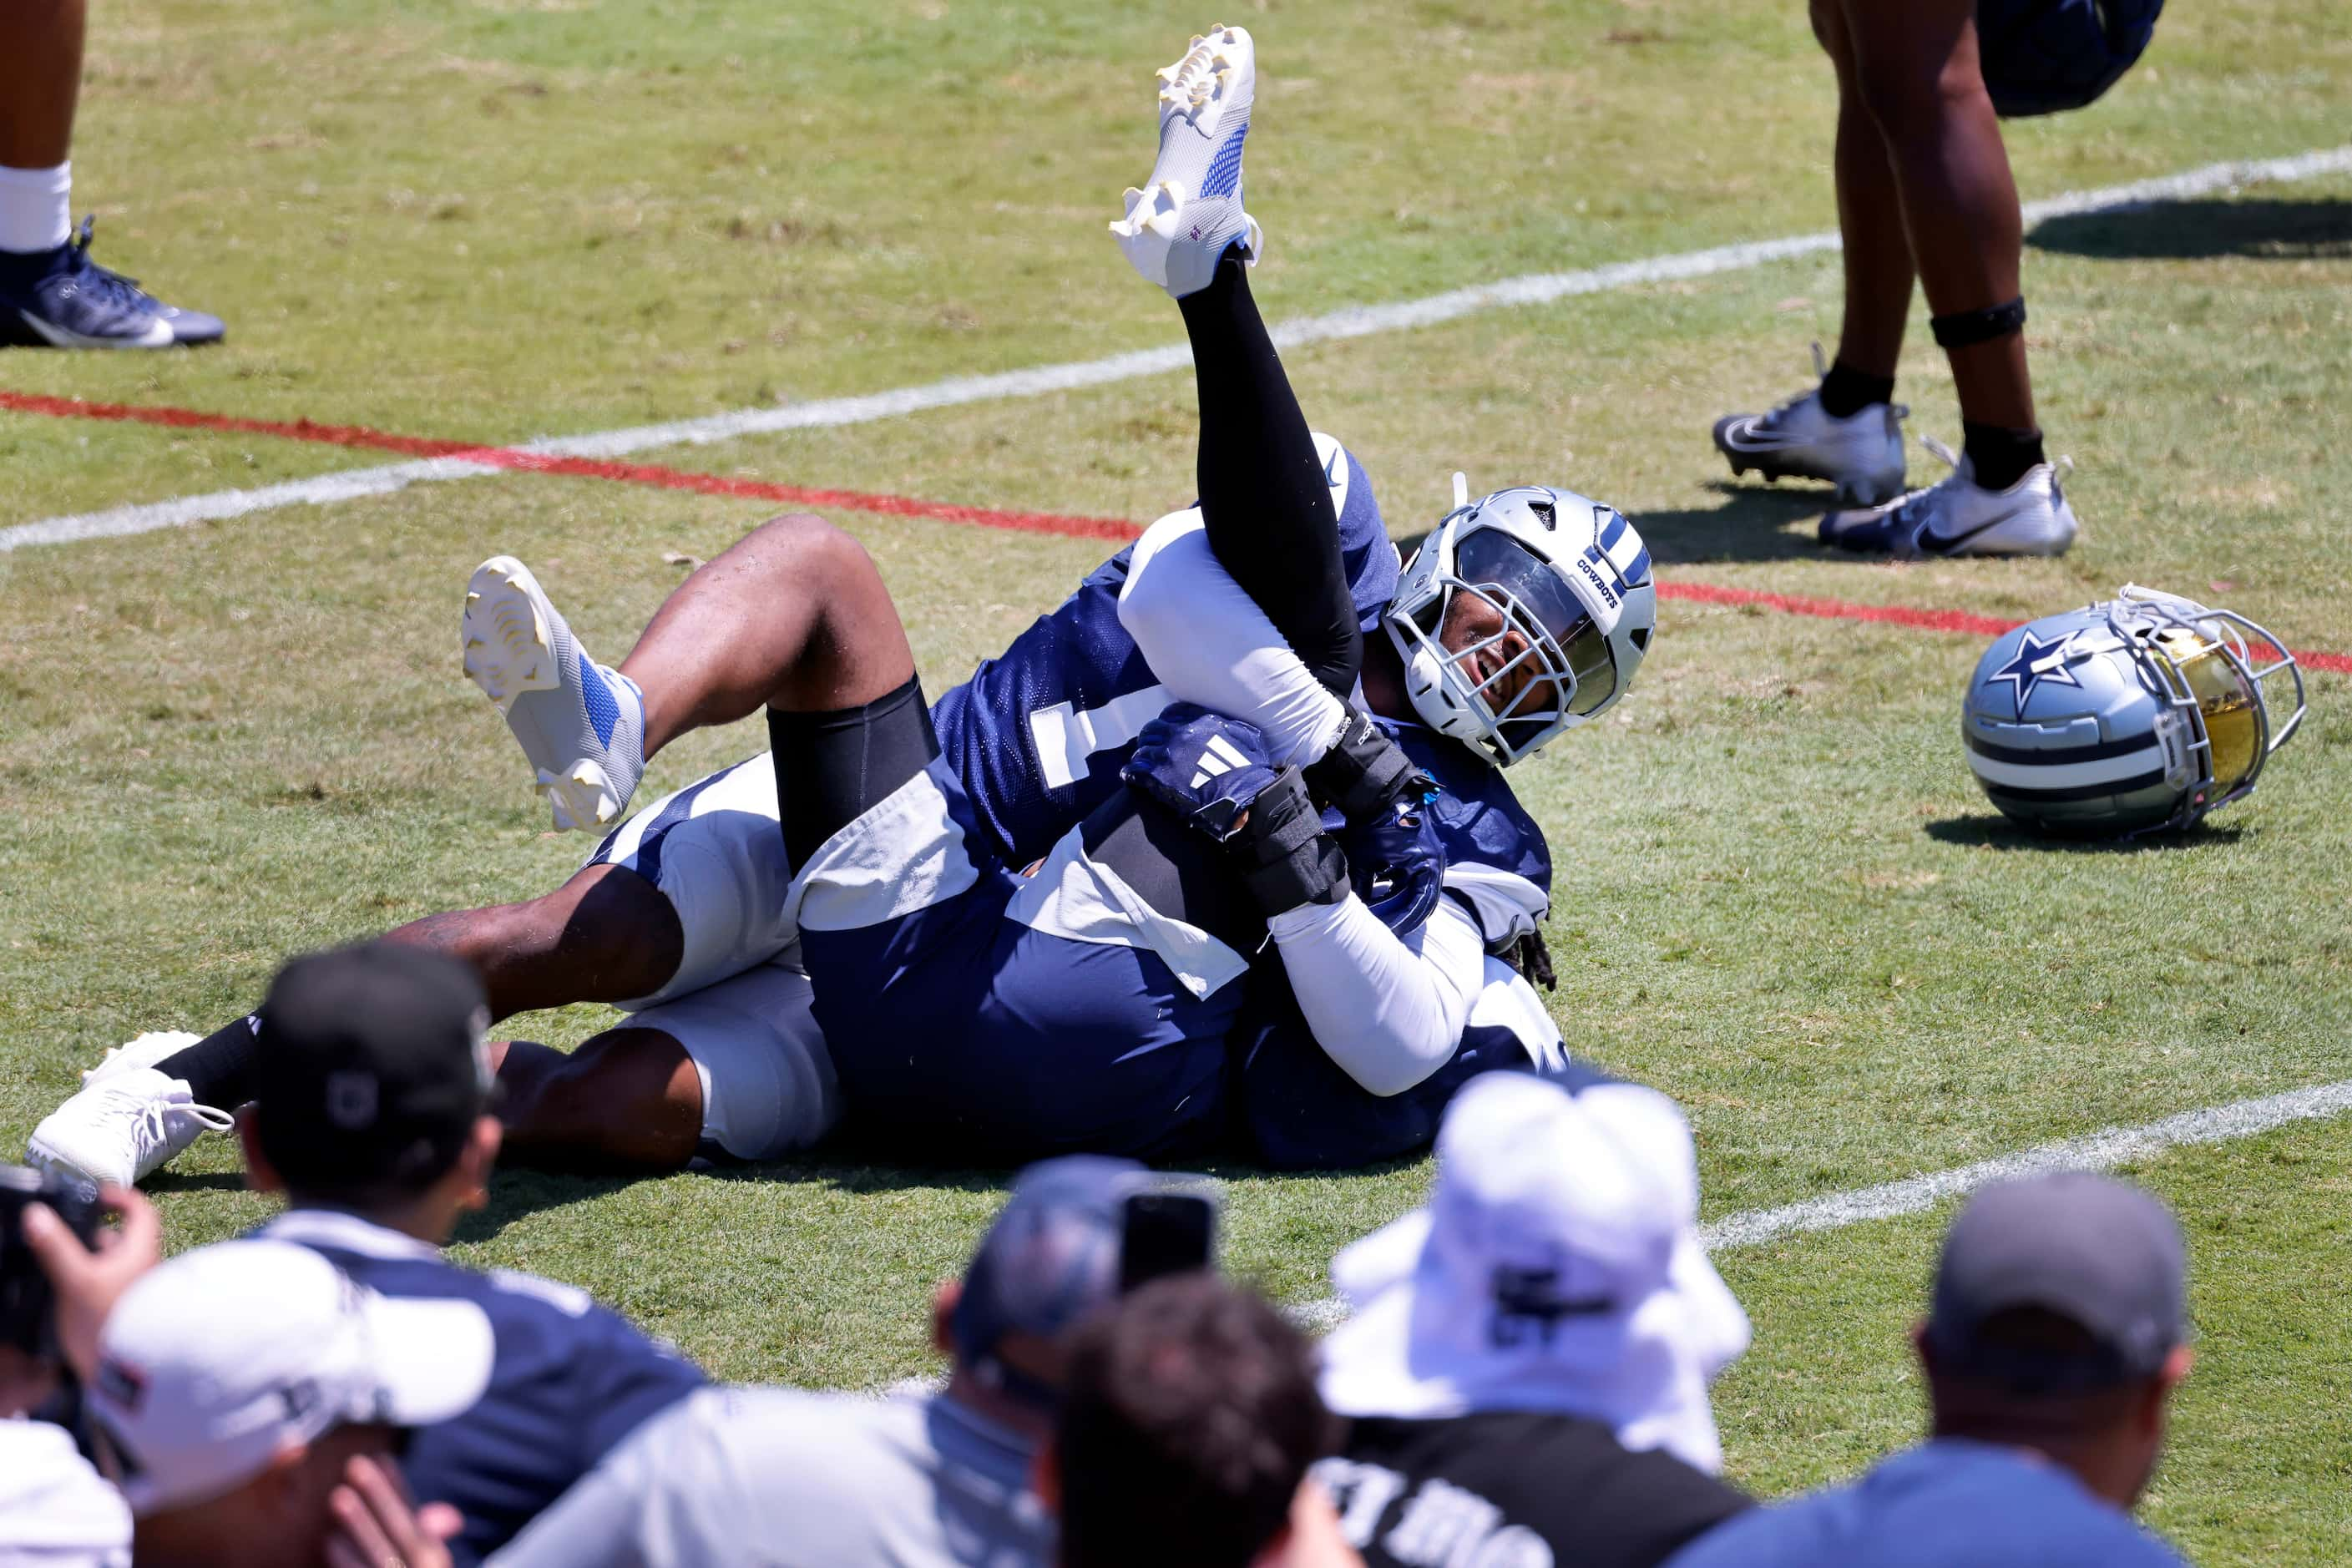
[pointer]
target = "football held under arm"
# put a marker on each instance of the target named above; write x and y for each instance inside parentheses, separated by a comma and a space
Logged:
(1388, 1011)
(1208, 643)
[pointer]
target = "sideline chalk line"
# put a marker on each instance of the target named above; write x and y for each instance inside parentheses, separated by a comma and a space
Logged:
(1347, 322)
(1915, 1195)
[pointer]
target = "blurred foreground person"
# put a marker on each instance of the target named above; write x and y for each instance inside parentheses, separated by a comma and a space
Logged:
(245, 1388)
(1528, 1356)
(376, 1124)
(1924, 194)
(753, 1477)
(51, 293)
(55, 1509)
(2058, 1333)
(1186, 1432)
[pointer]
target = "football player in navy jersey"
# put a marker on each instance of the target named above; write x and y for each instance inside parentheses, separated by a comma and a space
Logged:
(1525, 614)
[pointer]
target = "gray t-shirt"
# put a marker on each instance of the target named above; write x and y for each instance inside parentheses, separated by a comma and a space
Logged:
(775, 1478)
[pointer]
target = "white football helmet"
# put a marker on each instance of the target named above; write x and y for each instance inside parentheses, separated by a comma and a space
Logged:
(1569, 576)
(2142, 712)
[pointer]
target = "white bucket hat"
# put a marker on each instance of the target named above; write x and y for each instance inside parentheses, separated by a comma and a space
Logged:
(1557, 1266)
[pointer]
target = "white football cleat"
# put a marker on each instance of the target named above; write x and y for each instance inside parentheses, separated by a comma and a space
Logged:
(1958, 516)
(1179, 227)
(1861, 454)
(580, 722)
(126, 1121)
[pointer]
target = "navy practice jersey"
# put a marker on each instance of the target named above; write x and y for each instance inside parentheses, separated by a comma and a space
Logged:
(1038, 734)
(1479, 820)
(1295, 1106)
(569, 1380)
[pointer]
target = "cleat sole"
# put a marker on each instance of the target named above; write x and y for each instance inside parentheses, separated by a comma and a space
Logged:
(582, 800)
(504, 636)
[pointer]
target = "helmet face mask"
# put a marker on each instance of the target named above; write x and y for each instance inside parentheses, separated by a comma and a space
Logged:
(1516, 621)
(2137, 715)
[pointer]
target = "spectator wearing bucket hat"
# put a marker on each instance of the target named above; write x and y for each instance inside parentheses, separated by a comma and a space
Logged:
(374, 1117)
(1527, 1357)
(921, 1478)
(240, 1384)
(2057, 1334)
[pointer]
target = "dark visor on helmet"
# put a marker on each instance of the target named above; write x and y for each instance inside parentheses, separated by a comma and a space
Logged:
(1491, 558)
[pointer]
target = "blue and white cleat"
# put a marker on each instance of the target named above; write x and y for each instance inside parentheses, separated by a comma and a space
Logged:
(61, 299)
(1179, 227)
(582, 724)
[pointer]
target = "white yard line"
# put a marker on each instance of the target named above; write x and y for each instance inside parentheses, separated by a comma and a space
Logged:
(1355, 321)
(2097, 1152)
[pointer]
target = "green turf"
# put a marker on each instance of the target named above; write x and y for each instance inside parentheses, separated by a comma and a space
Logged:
(1780, 896)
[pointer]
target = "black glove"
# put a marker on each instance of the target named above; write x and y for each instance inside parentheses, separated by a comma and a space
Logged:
(1286, 857)
(1364, 771)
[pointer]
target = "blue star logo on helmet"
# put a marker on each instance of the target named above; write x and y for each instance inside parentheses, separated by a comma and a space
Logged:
(2035, 662)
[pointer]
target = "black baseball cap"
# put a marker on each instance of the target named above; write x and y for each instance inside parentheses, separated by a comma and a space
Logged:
(2104, 1255)
(372, 1066)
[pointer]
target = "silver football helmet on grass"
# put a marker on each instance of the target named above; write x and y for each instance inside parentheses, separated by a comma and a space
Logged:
(2139, 713)
(1571, 580)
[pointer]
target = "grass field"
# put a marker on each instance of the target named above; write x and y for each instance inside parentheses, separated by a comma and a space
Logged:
(1780, 897)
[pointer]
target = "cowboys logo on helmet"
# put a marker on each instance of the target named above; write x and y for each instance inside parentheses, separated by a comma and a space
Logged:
(1549, 605)
(2142, 712)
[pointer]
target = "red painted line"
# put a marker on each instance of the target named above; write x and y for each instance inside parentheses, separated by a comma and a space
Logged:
(1838, 609)
(1106, 528)
(359, 435)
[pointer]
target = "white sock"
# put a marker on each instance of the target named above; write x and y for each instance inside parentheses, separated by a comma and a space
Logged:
(35, 207)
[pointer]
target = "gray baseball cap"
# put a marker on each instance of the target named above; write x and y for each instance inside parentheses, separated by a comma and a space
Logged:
(2104, 1255)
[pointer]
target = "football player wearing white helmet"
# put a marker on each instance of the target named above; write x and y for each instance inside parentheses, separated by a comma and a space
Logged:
(2137, 714)
(1550, 604)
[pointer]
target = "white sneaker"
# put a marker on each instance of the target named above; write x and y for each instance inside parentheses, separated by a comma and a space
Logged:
(1179, 225)
(127, 1120)
(1862, 454)
(1958, 516)
(582, 724)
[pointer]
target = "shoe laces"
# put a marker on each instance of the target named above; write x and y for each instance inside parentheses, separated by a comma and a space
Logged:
(89, 278)
(152, 1120)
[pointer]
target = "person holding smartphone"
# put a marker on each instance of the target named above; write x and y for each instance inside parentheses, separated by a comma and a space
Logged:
(778, 1476)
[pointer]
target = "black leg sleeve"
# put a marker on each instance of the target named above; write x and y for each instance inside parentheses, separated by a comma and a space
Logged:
(1266, 500)
(831, 767)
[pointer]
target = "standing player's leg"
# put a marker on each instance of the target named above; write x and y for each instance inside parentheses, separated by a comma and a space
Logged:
(1917, 72)
(1875, 251)
(1846, 430)
(1266, 499)
(51, 293)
